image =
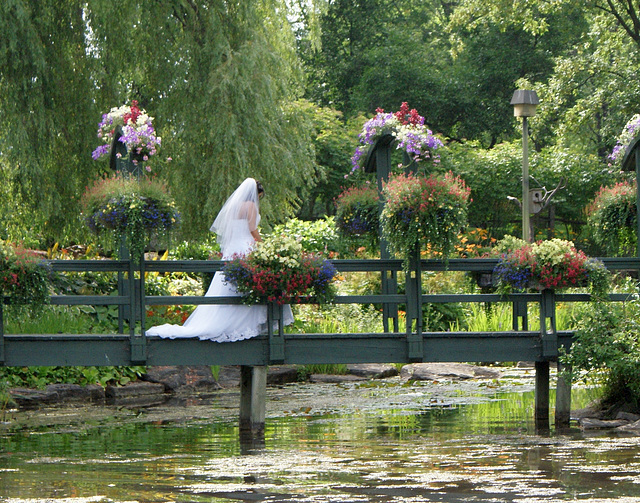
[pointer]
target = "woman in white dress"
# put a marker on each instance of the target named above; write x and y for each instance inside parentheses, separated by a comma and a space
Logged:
(236, 227)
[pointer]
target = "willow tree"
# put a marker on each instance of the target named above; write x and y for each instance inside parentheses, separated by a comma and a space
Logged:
(45, 106)
(218, 76)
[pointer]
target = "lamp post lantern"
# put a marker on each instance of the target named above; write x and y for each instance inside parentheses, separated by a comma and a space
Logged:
(524, 105)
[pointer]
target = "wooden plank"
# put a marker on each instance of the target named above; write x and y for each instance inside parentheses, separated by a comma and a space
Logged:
(98, 350)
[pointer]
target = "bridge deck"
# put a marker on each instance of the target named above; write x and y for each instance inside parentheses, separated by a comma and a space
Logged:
(114, 349)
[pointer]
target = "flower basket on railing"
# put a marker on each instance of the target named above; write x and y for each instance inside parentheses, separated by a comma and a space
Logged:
(136, 209)
(278, 270)
(24, 277)
(357, 212)
(553, 264)
(420, 210)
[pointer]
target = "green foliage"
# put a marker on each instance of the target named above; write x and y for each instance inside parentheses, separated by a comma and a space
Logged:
(39, 377)
(24, 277)
(318, 236)
(337, 318)
(607, 346)
(198, 250)
(220, 96)
(494, 175)
(129, 208)
(333, 140)
(613, 218)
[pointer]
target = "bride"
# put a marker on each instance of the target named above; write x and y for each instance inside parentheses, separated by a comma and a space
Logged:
(236, 227)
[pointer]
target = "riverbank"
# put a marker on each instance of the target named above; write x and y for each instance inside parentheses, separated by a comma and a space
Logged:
(162, 383)
(188, 385)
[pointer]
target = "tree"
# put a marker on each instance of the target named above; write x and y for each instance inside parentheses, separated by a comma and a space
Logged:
(218, 76)
(334, 142)
(46, 105)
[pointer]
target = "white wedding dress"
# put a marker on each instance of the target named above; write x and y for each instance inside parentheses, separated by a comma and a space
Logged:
(220, 322)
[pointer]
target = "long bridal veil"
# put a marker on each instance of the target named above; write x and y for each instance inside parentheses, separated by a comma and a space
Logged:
(238, 217)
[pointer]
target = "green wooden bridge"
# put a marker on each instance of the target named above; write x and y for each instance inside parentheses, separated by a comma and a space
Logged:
(130, 346)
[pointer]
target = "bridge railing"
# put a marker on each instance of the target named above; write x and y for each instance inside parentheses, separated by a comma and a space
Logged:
(413, 344)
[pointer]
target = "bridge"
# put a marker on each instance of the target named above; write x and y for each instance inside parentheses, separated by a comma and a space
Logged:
(130, 346)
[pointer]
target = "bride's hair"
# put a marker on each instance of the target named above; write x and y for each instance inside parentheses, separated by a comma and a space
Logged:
(260, 188)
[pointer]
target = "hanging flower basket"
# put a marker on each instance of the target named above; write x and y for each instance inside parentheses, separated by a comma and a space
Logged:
(278, 270)
(357, 212)
(134, 209)
(627, 135)
(419, 210)
(407, 128)
(613, 218)
(137, 134)
(553, 264)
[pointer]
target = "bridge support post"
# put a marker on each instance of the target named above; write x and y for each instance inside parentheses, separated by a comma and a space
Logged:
(563, 398)
(253, 398)
(541, 412)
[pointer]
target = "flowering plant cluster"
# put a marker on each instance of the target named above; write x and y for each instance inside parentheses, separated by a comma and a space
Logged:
(24, 276)
(406, 126)
(613, 218)
(424, 210)
(138, 133)
(278, 270)
(135, 209)
(628, 133)
(357, 211)
(552, 264)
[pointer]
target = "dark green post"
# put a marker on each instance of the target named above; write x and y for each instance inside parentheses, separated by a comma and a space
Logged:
(1, 330)
(381, 154)
(415, 351)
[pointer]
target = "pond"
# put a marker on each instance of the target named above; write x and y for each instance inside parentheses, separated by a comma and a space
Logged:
(371, 441)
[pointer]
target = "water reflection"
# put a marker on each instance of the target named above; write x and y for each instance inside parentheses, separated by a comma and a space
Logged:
(376, 442)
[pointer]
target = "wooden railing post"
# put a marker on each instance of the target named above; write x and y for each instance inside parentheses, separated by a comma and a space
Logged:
(138, 342)
(415, 350)
(1, 330)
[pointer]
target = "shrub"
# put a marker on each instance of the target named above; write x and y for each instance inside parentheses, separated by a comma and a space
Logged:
(607, 346)
(24, 277)
(318, 236)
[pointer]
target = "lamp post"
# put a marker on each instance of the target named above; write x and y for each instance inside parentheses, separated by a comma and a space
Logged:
(524, 105)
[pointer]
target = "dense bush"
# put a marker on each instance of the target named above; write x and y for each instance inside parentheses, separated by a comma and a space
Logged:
(607, 348)
(317, 236)
(24, 277)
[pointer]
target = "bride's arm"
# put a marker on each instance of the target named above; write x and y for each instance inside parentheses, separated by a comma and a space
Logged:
(252, 214)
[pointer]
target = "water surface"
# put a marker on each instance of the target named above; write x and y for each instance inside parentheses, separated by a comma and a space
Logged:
(374, 441)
